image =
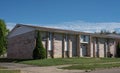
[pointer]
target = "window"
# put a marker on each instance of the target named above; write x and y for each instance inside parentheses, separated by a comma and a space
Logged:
(50, 41)
(84, 38)
(43, 38)
(66, 43)
(87, 38)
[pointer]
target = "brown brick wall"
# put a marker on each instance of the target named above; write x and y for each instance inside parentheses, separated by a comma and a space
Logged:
(21, 46)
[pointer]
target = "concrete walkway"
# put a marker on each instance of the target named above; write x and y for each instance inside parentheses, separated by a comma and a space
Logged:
(51, 69)
(35, 69)
(112, 70)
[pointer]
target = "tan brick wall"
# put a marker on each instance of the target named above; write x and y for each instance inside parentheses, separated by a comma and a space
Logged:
(104, 47)
(65, 52)
(58, 46)
(112, 47)
(95, 47)
(91, 48)
(70, 48)
(21, 46)
(101, 47)
(97, 50)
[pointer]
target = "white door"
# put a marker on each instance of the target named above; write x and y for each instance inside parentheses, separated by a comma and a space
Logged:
(84, 50)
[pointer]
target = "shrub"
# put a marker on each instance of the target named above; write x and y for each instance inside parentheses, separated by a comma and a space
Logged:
(3, 33)
(118, 50)
(39, 52)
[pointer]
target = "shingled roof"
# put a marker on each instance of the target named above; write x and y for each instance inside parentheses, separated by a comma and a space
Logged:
(48, 29)
(54, 29)
(114, 36)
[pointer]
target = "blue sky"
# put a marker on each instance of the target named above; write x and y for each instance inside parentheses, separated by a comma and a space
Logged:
(80, 15)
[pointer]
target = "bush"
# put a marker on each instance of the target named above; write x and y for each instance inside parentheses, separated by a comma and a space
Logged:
(118, 50)
(39, 52)
(3, 33)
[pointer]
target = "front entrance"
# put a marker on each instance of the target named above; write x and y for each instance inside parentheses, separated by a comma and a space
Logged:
(84, 50)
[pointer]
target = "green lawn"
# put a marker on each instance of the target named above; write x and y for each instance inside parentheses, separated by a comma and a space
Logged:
(91, 66)
(2, 67)
(75, 63)
(66, 61)
(4, 70)
(9, 71)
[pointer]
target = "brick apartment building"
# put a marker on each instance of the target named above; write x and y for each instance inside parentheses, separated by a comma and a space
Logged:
(59, 43)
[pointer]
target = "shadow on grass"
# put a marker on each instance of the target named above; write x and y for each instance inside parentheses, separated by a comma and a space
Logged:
(13, 60)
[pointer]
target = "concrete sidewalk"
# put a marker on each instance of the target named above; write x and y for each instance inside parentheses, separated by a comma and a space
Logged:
(51, 69)
(35, 69)
(112, 70)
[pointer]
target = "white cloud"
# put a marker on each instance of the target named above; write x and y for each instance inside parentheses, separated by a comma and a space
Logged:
(81, 26)
(88, 26)
(10, 25)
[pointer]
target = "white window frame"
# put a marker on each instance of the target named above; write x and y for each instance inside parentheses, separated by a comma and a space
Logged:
(50, 41)
(66, 43)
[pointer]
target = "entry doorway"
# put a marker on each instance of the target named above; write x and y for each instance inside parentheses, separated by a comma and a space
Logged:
(84, 50)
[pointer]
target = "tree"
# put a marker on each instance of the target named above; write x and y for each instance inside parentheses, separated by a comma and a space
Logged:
(118, 50)
(3, 33)
(107, 32)
(101, 32)
(114, 32)
(39, 52)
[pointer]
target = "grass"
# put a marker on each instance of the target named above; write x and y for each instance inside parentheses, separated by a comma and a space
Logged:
(12, 60)
(91, 66)
(2, 67)
(4, 70)
(76, 63)
(9, 71)
(66, 61)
